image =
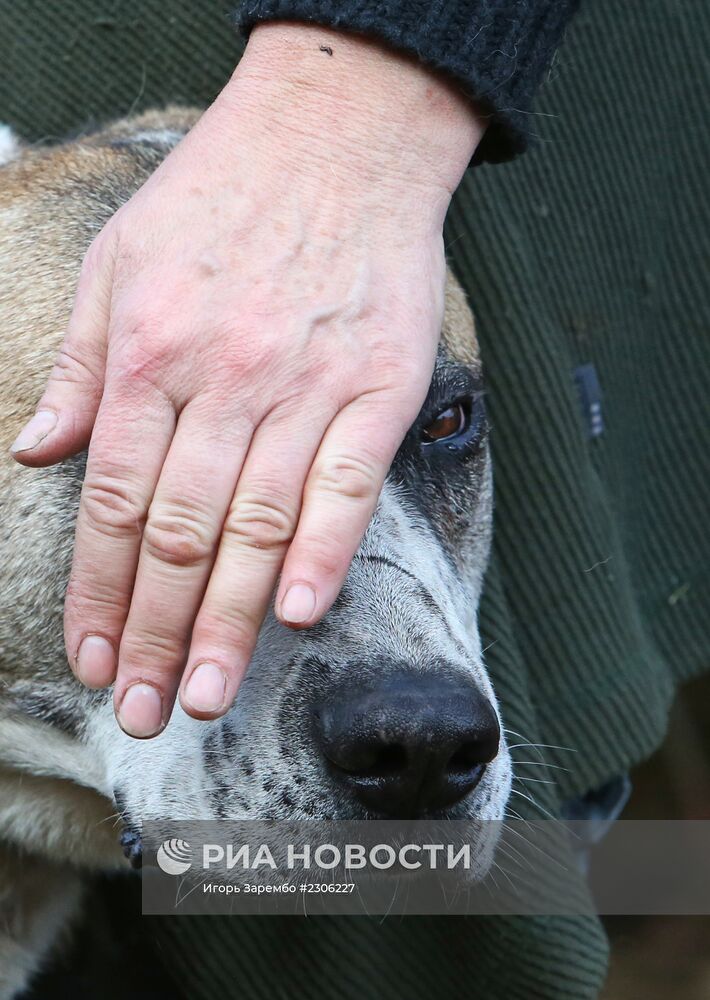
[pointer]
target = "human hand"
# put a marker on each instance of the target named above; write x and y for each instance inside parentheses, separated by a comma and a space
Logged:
(252, 336)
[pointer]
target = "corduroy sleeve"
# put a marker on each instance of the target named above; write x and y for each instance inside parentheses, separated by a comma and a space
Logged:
(496, 50)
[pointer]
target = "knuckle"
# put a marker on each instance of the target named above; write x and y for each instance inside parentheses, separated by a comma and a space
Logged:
(93, 263)
(94, 258)
(347, 476)
(179, 536)
(146, 347)
(92, 604)
(233, 628)
(325, 562)
(152, 650)
(111, 507)
(242, 355)
(78, 598)
(260, 522)
(70, 368)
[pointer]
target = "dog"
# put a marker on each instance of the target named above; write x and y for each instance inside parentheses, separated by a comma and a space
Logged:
(385, 708)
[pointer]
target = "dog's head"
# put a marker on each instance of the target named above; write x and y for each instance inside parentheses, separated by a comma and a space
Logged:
(385, 707)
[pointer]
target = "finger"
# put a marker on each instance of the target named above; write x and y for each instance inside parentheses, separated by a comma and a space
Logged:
(65, 415)
(123, 466)
(339, 500)
(260, 524)
(180, 541)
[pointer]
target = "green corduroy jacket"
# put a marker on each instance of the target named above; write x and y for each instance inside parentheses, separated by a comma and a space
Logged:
(592, 249)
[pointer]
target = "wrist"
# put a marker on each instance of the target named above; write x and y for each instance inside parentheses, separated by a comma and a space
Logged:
(356, 102)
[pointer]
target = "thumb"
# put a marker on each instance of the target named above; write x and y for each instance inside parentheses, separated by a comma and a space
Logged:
(65, 415)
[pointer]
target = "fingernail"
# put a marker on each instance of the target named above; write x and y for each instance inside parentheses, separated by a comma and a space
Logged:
(298, 604)
(35, 431)
(206, 687)
(141, 711)
(95, 661)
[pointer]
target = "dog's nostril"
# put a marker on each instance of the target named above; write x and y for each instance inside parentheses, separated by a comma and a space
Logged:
(474, 755)
(465, 760)
(379, 762)
(390, 760)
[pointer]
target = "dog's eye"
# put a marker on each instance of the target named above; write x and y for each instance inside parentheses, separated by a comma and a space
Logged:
(446, 425)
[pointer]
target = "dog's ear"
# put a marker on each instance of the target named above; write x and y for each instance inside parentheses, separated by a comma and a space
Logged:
(31, 747)
(459, 331)
(10, 145)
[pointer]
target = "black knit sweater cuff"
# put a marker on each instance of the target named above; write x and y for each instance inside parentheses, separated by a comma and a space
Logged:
(497, 50)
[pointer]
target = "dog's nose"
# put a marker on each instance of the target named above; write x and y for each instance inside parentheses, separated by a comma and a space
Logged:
(409, 743)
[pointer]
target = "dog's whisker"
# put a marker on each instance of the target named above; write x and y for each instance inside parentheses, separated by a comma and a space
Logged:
(541, 763)
(531, 800)
(513, 732)
(517, 817)
(514, 849)
(506, 854)
(504, 872)
(527, 743)
(495, 880)
(530, 843)
(525, 882)
(544, 746)
(117, 818)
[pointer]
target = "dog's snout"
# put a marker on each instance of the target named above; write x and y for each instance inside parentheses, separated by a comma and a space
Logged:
(410, 743)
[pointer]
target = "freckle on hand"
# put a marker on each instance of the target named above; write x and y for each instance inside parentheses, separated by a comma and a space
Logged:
(207, 268)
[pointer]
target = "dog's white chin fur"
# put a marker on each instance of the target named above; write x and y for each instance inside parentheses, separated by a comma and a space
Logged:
(9, 145)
